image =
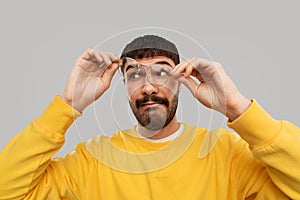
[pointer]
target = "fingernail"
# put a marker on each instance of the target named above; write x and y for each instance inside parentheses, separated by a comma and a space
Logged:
(177, 75)
(120, 62)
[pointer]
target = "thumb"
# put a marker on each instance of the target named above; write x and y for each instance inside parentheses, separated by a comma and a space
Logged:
(109, 72)
(189, 83)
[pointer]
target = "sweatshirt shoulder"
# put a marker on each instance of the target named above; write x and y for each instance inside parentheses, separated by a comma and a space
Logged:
(219, 140)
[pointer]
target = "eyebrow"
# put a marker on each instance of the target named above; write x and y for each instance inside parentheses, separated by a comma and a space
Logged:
(163, 63)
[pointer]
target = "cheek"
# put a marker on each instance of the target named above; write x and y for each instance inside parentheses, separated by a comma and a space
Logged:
(172, 86)
(132, 92)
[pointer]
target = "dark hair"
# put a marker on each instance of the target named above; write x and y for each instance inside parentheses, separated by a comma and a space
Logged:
(150, 46)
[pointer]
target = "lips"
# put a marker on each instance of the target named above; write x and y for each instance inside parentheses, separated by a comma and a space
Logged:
(150, 104)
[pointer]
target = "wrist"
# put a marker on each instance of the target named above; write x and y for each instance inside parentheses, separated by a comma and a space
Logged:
(66, 99)
(237, 109)
(69, 101)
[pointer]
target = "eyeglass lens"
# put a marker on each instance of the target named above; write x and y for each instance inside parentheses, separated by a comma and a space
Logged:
(135, 73)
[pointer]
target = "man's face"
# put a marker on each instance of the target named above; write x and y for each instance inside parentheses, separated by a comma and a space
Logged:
(153, 102)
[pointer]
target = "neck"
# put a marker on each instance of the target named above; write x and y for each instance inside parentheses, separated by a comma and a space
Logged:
(171, 128)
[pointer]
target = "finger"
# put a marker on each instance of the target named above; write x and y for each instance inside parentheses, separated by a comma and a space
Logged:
(179, 66)
(175, 72)
(106, 58)
(109, 72)
(185, 68)
(208, 69)
(188, 70)
(98, 56)
(189, 83)
(94, 56)
(113, 57)
(202, 63)
(86, 55)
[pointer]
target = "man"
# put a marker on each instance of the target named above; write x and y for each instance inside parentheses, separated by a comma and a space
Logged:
(159, 158)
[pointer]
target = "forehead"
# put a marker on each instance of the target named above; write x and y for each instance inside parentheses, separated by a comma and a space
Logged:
(152, 60)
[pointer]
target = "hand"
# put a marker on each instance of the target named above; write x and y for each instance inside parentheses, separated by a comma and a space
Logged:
(213, 87)
(90, 77)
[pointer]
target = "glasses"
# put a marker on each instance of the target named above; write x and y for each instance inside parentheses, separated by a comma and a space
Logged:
(136, 73)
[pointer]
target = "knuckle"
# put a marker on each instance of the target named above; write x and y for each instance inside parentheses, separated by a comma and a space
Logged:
(216, 63)
(99, 51)
(108, 63)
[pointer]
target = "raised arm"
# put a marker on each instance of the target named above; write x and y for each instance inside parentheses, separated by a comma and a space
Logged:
(274, 143)
(26, 168)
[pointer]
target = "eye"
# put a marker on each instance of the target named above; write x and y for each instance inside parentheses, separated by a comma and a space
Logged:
(160, 70)
(163, 72)
(133, 75)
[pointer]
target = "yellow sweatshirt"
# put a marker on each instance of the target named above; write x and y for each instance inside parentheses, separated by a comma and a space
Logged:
(127, 167)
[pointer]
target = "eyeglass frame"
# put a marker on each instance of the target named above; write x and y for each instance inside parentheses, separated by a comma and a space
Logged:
(147, 68)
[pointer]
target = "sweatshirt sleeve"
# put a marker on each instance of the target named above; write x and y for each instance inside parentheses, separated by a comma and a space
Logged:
(27, 157)
(275, 144)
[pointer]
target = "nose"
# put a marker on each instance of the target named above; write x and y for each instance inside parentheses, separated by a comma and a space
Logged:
(149, 89)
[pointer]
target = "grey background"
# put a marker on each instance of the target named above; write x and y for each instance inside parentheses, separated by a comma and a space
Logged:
(257, 43)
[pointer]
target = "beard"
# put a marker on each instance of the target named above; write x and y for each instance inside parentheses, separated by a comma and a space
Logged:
(154, 118)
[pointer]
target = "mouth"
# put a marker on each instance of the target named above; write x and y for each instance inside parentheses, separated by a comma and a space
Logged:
(151, 104)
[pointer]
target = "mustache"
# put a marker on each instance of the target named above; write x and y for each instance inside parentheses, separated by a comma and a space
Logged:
(140, 102)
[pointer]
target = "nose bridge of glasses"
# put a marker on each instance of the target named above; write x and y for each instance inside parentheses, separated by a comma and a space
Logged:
(146, 70)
